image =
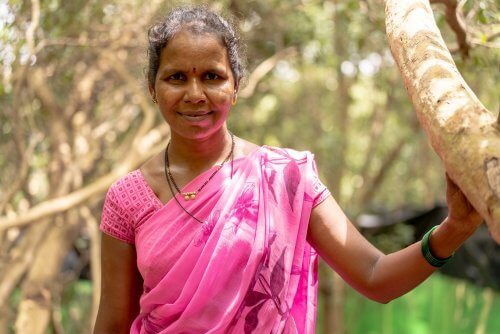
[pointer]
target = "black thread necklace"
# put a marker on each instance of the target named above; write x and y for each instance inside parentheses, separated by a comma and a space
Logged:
(192, 194)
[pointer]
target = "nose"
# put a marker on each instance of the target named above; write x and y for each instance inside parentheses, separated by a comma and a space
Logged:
(194, 92)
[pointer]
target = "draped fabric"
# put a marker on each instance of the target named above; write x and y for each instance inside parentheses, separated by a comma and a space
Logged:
(247, 269)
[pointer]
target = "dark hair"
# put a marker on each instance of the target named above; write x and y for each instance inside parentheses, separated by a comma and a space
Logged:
(199, 20)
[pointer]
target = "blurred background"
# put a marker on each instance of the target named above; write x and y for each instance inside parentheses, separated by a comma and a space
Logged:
(75, 114)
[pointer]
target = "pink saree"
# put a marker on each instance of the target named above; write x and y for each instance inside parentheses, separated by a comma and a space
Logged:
(247, 268)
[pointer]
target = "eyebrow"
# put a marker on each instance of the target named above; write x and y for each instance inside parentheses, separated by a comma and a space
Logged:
(217, 69)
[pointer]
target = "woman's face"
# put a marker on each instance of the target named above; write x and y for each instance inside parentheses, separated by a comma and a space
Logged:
(194, 85)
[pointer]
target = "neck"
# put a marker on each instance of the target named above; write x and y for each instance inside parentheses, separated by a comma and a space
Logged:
(200, 153)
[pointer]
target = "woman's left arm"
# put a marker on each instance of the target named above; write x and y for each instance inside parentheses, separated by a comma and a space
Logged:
(385, 277)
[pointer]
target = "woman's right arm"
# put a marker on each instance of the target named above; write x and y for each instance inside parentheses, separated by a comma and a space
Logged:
(121, 287)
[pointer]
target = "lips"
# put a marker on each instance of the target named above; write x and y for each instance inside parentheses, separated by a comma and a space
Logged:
(197, 116)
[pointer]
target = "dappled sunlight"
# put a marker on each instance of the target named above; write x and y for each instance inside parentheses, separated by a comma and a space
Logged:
(76, 114)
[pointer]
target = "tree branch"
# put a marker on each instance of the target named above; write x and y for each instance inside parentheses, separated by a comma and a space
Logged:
(95, 258)
(144, 151)
(74, 42)
(263, 69)
(455, 20)
(30, 43)
(459, 127)
(35, 21)
(131, 82)
(388, 162)
(21, 258)
(25, 154)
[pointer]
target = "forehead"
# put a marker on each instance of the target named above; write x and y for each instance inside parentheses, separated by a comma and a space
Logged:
(187, 49)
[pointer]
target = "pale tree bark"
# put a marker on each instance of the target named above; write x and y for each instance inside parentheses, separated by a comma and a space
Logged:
(461, 130)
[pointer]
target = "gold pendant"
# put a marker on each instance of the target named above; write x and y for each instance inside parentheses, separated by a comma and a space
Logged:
(190, 195)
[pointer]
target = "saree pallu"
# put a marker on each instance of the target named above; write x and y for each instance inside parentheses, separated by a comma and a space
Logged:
(248, 268)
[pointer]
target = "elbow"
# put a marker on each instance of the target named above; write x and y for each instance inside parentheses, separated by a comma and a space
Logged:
(381, 299)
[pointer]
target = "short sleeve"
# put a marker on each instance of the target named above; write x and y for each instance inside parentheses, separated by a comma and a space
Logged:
(315, 189)
(115, 220)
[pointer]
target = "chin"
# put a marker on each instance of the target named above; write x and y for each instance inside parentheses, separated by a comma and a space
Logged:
(197, 133)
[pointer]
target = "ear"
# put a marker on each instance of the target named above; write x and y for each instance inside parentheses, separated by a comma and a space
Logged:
(235, 95)
(153, 94)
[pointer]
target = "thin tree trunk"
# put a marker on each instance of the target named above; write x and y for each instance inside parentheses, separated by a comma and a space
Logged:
(461, 130)
(13, 271)
(95, 262)
(35, 308)
(334, 301)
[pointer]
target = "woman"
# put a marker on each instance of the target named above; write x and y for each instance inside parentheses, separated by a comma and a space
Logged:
(219, 235)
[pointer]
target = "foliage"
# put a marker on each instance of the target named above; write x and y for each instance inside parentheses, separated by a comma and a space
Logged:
(338, 95)
(440, 305)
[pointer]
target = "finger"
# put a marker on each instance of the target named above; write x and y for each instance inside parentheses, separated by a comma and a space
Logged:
(458, 204)
(453, 192)
(450, 184)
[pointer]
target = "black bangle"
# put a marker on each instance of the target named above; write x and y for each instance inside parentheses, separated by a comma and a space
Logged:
(427, 253)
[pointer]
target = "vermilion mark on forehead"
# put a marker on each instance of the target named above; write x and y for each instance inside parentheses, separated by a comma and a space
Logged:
(194, 70)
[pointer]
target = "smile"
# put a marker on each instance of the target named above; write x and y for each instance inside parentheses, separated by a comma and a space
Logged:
(195, 117)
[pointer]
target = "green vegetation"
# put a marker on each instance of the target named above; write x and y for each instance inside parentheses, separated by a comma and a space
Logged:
(439, 305)
(73, 97)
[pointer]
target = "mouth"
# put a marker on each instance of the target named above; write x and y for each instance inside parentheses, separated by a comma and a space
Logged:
(195, 116)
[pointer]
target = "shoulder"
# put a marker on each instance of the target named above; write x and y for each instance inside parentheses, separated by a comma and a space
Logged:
(244, 148)
(127, 183)
(247, 148)
(278, 154)
(128, 193)
(301, 166)
(127, 200)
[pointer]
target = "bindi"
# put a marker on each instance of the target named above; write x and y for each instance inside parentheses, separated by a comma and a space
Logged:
(194, 70)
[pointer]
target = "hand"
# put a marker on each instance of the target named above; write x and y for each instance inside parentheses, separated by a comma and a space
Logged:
(461, 213)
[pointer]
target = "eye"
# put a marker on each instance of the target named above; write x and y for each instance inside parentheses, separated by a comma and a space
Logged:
(211, 76)
(177, 77)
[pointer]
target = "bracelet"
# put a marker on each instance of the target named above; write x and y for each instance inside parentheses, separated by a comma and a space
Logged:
(427, 253)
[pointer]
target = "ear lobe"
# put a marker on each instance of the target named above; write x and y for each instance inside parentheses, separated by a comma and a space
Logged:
(235, 95)
(153, 94)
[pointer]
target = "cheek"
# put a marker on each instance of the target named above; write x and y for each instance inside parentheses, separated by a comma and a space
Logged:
(222, 96)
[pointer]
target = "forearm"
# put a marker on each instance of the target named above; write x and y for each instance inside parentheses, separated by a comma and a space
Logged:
(397, 273)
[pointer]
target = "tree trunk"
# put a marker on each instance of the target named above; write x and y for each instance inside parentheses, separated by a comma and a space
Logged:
(35, 308)
(334, 292)
(460, 129)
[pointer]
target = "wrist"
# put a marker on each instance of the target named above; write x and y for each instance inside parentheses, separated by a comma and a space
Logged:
(449, 236)
(457, 229)
(429, 255)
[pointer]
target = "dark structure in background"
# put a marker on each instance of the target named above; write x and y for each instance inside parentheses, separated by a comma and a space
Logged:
(477, 261)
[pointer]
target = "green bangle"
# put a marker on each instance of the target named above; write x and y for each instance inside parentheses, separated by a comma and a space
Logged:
(427, 253)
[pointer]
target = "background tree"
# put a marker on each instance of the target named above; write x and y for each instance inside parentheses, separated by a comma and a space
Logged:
(76, 114)
(462, 131)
